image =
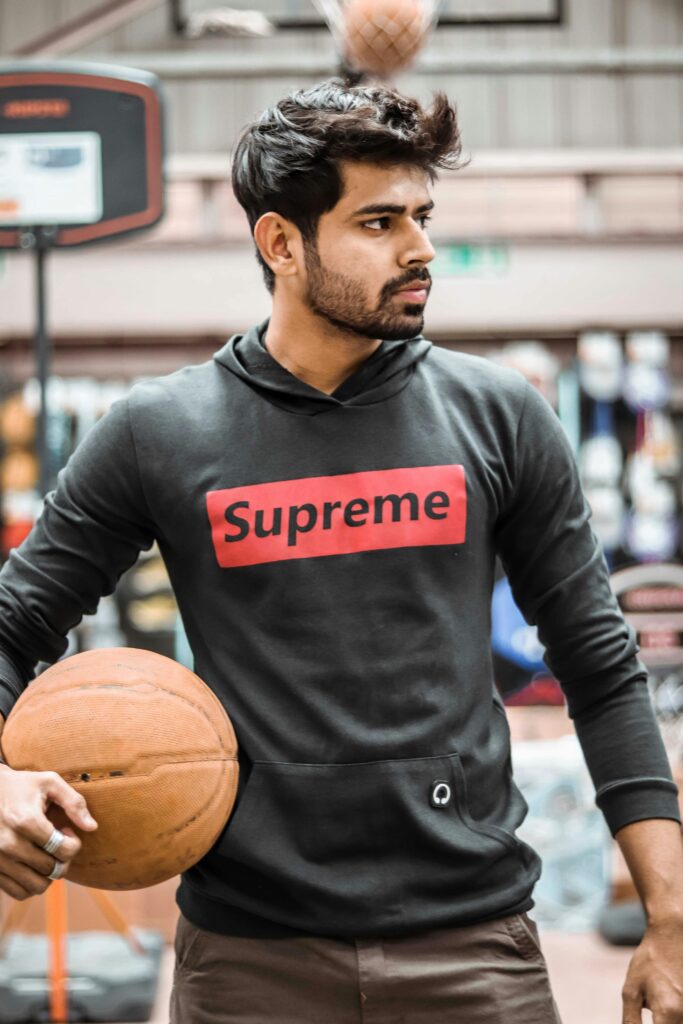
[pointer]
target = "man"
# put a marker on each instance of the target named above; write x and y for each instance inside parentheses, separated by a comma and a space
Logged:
(329, 493)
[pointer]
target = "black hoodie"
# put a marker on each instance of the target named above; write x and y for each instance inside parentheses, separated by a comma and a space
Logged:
(333, 560)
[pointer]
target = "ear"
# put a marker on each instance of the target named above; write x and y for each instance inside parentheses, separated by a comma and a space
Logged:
(279, 243)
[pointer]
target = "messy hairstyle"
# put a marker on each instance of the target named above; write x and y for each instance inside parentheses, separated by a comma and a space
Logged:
(287, 161)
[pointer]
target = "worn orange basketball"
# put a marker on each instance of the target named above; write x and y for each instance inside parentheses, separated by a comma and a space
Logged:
(147, 744)
(383, 36)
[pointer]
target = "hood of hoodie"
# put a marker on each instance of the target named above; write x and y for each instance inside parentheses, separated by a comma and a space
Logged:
(386, 372)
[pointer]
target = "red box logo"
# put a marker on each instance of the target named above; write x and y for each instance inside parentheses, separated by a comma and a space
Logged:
(337, 515)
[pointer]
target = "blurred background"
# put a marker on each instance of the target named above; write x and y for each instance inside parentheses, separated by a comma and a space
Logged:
(558, 252)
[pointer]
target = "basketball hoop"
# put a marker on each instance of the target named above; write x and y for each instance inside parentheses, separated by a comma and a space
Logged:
(378, 38)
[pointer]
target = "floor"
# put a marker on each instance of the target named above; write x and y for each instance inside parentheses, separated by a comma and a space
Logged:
(586, 974)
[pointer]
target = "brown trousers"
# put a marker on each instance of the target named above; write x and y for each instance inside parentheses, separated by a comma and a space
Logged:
(492, 973)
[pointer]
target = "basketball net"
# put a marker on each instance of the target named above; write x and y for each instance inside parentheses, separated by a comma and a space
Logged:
(376, 44)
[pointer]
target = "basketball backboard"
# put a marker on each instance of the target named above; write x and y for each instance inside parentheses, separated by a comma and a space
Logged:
(499, 11)
(291, 14)
(81, 151)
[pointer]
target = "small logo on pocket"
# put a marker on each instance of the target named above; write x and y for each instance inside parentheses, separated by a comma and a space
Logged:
(440, 795)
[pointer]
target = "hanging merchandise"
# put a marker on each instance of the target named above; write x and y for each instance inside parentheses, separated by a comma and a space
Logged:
(58, 421)
(608, 517)
(19, 512)
(72, 406)
(600, 466)
(143, 611)
(600, 371)
(102, 629)
(600, 365)
(651, 599)
(17, 422)
(652, 527)
(520, 673)
(663, 445)
(19, 498)
(19, 471)
(652, 531)
(535, 361)
(568, 830)
(147, 605)
(647, 384)
(511, 635)
(569, 404)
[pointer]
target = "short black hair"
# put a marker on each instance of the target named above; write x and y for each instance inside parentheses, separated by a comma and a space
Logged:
(287, 160)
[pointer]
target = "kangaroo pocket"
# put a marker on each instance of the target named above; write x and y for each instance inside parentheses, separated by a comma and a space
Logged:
(325, 847)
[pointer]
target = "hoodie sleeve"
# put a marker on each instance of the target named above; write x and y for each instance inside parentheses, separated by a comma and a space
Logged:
(560, 581)
(91, 529)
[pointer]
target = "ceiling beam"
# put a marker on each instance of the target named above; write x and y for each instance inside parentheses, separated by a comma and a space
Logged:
(79, 31)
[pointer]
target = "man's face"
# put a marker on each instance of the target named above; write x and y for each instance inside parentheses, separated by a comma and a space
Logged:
(362, 257)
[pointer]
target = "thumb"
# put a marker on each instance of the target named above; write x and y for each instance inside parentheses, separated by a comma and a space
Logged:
(70, 834)
(70, 800)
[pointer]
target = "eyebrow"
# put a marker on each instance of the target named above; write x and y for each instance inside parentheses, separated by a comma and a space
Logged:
(391, 208)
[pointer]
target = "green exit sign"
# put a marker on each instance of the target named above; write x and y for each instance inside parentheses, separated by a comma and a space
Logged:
(475, 260)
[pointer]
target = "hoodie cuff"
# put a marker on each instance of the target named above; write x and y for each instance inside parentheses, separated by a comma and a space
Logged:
(11, 685)
(637, 799)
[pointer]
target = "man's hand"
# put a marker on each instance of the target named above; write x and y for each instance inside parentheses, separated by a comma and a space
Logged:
(654, 980)
(653, 850)
(25, 828)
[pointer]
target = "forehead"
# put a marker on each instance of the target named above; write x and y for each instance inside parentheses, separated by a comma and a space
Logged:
(364, 183)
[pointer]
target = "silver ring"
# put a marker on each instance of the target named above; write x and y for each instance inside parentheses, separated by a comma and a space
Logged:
(54, 842)
(58, 870)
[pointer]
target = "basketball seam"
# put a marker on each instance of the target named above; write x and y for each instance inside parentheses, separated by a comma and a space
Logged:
(146, 775)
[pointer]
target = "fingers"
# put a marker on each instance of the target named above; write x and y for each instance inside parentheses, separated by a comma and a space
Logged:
(25, 829)
(28, 818)
(632, 1005)
(22, 851)
(29, 822)
(24, 878)
(25, 870)
(60, 792)
(12, 888)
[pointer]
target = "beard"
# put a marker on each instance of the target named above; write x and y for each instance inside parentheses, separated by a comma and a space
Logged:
(338, 299)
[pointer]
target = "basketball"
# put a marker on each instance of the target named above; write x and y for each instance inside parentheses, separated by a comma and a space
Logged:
(150, 748)
(383, 36)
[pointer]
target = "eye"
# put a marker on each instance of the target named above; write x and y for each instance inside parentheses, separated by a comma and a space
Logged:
(424, 218)
(377, 220)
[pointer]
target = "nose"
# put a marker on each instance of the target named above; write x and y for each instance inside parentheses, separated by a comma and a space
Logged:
(418, 248)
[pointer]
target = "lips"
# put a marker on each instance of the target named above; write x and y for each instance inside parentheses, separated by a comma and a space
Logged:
(417, 293)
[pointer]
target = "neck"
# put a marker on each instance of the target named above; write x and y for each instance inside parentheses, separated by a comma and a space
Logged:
(314, 350)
